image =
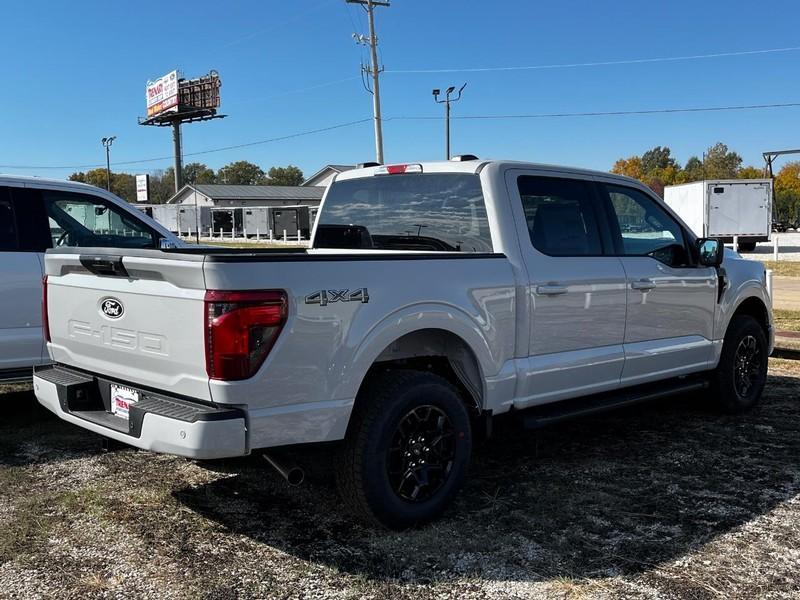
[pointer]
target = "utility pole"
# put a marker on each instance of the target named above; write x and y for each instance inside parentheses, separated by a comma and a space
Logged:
(107, 141)
(446, 103)
(374, 70)
(176, 138)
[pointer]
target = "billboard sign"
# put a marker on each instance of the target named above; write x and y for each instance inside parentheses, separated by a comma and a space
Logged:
(162, 94)
(142, 188)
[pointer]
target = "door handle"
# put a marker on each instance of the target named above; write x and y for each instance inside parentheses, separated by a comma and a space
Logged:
(643, 285)
(551, 290)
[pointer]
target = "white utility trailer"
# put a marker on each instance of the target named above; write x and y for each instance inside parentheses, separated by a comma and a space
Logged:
(725, 209)
(256, 221)
(167, 215)
(191, 219)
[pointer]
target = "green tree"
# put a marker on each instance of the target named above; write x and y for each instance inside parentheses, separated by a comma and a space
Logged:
(122, 184)
(658, 159)
(721, 163)
(630, 167)
(655, 168)
(198, 173)
(693, 170)
(787, 191)
(750, 173)
(289, 175)
(241, 172)
(162, 185)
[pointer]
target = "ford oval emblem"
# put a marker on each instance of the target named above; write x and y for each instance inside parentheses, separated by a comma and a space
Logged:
(112, 308)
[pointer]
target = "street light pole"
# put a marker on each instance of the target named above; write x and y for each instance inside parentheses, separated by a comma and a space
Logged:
(447, 100)
(107, 141)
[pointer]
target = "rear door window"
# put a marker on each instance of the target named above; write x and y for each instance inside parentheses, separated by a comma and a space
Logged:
(426, 212)
(31, 220)
(89, 221)
(561, 216)
(8, 229)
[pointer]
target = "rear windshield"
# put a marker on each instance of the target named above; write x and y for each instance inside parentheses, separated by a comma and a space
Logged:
(427, 212)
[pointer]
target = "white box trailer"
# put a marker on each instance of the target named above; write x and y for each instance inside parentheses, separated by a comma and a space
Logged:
(167, 215)
(190, 218)
(256, 221)
(725, 208)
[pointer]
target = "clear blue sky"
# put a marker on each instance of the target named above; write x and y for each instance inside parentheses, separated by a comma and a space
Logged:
(75, 72)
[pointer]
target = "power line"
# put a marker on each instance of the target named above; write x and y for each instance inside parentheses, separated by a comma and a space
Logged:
(210, 151)
(595, 64)
(294, 91)
(277, 26)
(412, 118)
(603, 113)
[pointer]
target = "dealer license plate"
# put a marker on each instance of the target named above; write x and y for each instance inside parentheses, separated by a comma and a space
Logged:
(122, 399)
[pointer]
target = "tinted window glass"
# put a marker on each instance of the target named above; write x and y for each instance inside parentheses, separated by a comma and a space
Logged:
(561, 216)
(32, 230)
(644, 226)
(8, 229)
(84, 220)
(426, 212)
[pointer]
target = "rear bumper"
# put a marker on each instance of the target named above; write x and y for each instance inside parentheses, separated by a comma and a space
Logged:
(158, 423)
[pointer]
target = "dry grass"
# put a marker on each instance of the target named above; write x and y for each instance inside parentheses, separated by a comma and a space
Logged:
(784, 268)
(666, 500)
(786, 320)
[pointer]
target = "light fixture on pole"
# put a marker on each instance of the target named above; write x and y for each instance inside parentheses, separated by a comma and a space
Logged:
(447, 100)
(107, 141)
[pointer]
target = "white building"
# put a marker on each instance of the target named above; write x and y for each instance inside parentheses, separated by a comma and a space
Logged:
(325, 175)
(223, 195)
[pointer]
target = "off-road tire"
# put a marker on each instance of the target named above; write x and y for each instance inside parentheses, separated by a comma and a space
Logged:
(362, 465)
(727, 393)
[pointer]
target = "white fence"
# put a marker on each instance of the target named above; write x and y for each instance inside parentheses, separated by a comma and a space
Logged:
(267, 237)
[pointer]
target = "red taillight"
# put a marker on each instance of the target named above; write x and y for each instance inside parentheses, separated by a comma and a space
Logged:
(241, 328)
(45, 320)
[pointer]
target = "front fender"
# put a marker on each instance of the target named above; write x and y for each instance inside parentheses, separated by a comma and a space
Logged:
(732, 299)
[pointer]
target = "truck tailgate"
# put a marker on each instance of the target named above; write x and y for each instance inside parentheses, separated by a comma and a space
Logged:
(132, 318)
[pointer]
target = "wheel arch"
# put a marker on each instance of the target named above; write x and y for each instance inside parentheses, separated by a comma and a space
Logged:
(442, 339)
(755, 307)
(438, 351)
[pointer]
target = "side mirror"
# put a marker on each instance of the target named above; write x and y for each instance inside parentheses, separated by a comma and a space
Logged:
(710, 252)
(164, 243)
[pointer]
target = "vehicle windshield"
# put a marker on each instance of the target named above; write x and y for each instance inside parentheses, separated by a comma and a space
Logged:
(426, 212)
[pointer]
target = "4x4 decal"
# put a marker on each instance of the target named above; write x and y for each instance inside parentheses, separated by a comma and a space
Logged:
(325, 297)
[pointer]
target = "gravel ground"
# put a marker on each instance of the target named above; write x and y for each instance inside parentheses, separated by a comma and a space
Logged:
(666, 500)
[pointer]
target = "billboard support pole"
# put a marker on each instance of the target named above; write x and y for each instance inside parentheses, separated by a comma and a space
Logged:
(173, 101)
(176, 138)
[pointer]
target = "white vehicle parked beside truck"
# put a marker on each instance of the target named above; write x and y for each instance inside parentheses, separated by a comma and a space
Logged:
(37, 214)
(435, 296)
(725, 209)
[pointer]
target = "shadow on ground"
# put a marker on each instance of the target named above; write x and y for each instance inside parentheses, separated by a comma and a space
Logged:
(31, 434)
(612, 495)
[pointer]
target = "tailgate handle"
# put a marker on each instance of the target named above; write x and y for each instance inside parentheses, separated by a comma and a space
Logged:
(104, 265)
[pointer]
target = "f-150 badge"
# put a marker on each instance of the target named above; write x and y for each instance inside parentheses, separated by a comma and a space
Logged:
(325, 297)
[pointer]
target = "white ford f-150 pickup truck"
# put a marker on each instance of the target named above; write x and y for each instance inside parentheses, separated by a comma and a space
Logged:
(434, 297)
